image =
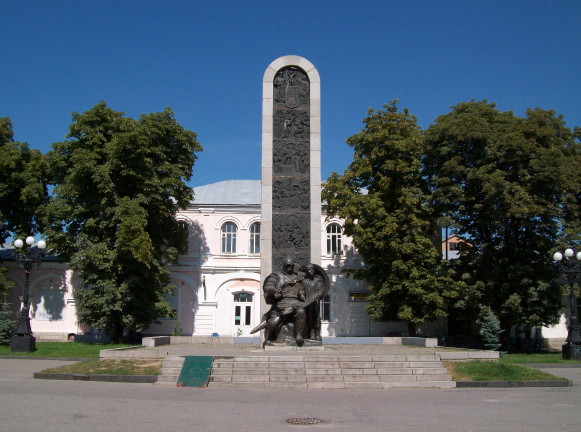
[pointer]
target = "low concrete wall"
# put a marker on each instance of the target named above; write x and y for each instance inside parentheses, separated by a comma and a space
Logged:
(420, 342)
(134, 352)
(468, 355)
(344, 340)
(247, 340)
(47, 336)
(155, 341)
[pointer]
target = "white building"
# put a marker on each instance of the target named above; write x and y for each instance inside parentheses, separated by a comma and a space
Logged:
(218, 281)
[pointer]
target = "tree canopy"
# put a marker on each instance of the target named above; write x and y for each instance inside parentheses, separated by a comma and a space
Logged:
(118, 183)
(23, 189)
(23, 184)
(384, 200)
(507, 185)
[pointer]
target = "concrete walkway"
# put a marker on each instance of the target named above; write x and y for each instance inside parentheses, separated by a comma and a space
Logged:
(255, 350)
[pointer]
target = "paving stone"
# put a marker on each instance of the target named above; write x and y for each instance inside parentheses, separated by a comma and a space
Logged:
(221, 378)
(286, 358)
(288, 378)
(383, 358)
(437, 384)
(221, 371)
(287, 385)
(285, 365)
(324, 385)
(324, 378)
(358, 365)
(442, 377)
(422, 358)
(287, 371)
(249, 378)
(429, 364)
(398, 378)
(364, 385)
(359, 378)
(319, 358)
(249, 384)
(355, 358)
(429, 371)
(391, 365)
(394, 371)
(322, 365)
(323, 371)
(250, 371)
(250, 359)
(360, 371)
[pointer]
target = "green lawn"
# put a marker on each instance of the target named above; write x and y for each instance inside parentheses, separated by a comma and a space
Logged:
(63, 349)
(536, 358)
(111, 367)
(494, 371)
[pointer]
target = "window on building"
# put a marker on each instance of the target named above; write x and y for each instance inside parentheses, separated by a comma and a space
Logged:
(255, 238)
(454, 246)
(183, 226)
(229, 232)
(243, 297)
(326, 308)
(334, 239)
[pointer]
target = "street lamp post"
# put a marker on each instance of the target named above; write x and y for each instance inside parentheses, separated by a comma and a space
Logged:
(570, 268)
(27, 259)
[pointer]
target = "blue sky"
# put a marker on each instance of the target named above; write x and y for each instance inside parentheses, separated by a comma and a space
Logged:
(206, 60)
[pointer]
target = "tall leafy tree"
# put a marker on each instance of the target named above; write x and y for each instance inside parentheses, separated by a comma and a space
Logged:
(23, 188)
(383, 198)
(118, 184)
(23, 184)
(502, 182)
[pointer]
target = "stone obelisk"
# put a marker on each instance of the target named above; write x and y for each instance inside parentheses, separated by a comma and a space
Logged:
(291, 164)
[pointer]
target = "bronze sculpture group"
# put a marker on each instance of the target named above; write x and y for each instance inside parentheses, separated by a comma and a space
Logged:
(294, 315)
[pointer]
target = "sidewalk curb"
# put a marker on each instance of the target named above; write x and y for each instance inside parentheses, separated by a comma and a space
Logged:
(143, 379)
(513, 384)
(76, 359)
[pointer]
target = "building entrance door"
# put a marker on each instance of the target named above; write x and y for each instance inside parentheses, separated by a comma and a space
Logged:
(243, 304)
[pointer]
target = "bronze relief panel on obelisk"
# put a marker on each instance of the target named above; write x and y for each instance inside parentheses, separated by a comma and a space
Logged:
(291, 229)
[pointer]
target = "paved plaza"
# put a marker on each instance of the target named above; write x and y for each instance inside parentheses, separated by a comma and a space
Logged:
(31, 405)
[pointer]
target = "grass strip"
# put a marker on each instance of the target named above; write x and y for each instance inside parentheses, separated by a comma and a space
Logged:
(111, 367)
(62, 349)
(550, 358)
(494, 371)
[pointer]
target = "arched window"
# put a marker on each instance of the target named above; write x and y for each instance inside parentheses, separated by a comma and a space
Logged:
(229, 231)
(334, 239)
(255, 238)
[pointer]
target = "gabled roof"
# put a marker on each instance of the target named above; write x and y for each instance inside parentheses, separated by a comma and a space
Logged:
(233, 192)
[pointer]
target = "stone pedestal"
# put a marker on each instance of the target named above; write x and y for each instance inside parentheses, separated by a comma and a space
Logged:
(571, 352)
(26, 343)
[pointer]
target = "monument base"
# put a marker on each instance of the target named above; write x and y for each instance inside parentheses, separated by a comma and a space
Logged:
(283, 348)
(571, 352)
(26, 343)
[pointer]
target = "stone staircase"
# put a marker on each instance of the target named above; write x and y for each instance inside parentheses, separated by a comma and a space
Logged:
(327, 371)
(170, 370)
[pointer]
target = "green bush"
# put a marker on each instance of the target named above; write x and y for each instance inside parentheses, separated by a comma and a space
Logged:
(6, 324)
(490, 330)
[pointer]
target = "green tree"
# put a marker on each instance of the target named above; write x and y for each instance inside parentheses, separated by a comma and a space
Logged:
(23, 189)
(6, 324)
(501, 181)
(489, 329)
(383, 198)
(118, 184)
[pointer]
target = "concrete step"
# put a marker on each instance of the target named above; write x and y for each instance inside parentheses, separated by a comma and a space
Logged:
(316, 371)
(171, 368)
